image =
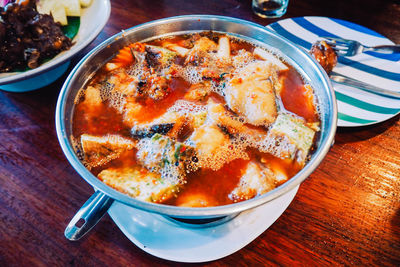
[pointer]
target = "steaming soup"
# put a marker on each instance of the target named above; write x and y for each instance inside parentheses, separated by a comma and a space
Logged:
(195, 120)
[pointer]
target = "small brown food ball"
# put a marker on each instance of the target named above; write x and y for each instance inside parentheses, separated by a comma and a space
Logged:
(325, 55)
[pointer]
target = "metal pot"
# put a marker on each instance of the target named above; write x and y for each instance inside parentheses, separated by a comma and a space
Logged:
(98, 204)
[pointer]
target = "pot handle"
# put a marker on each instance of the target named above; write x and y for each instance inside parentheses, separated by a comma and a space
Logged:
(88, 215)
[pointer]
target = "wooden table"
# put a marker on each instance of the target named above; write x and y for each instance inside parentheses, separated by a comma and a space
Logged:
(346, 213)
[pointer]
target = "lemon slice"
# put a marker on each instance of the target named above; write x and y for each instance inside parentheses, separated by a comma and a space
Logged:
(72, 7)
(53, 7)
(85, 3)
(59, 14)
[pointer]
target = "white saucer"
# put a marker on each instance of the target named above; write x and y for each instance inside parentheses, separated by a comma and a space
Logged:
(165, 239)
(356, 107)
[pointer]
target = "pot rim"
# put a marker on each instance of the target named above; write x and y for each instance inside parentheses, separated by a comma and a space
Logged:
(187, 212)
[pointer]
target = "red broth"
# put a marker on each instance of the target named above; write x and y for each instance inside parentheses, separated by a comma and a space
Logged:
(204, 186)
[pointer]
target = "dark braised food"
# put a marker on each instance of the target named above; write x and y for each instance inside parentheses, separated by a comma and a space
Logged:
(27, 38)
(325, 55)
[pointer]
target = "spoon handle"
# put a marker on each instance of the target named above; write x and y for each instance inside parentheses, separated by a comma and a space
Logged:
(88, 215)
(339, 78)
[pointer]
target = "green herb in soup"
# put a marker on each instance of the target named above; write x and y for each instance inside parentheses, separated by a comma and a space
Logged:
(195, 120)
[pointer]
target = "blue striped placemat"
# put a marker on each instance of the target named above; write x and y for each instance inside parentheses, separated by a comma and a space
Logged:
(356, 107)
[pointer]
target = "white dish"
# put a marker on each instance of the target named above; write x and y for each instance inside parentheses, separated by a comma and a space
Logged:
(93, 20)
(165, 239)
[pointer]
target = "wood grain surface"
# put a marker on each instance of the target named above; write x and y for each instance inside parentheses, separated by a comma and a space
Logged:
(346, 213)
